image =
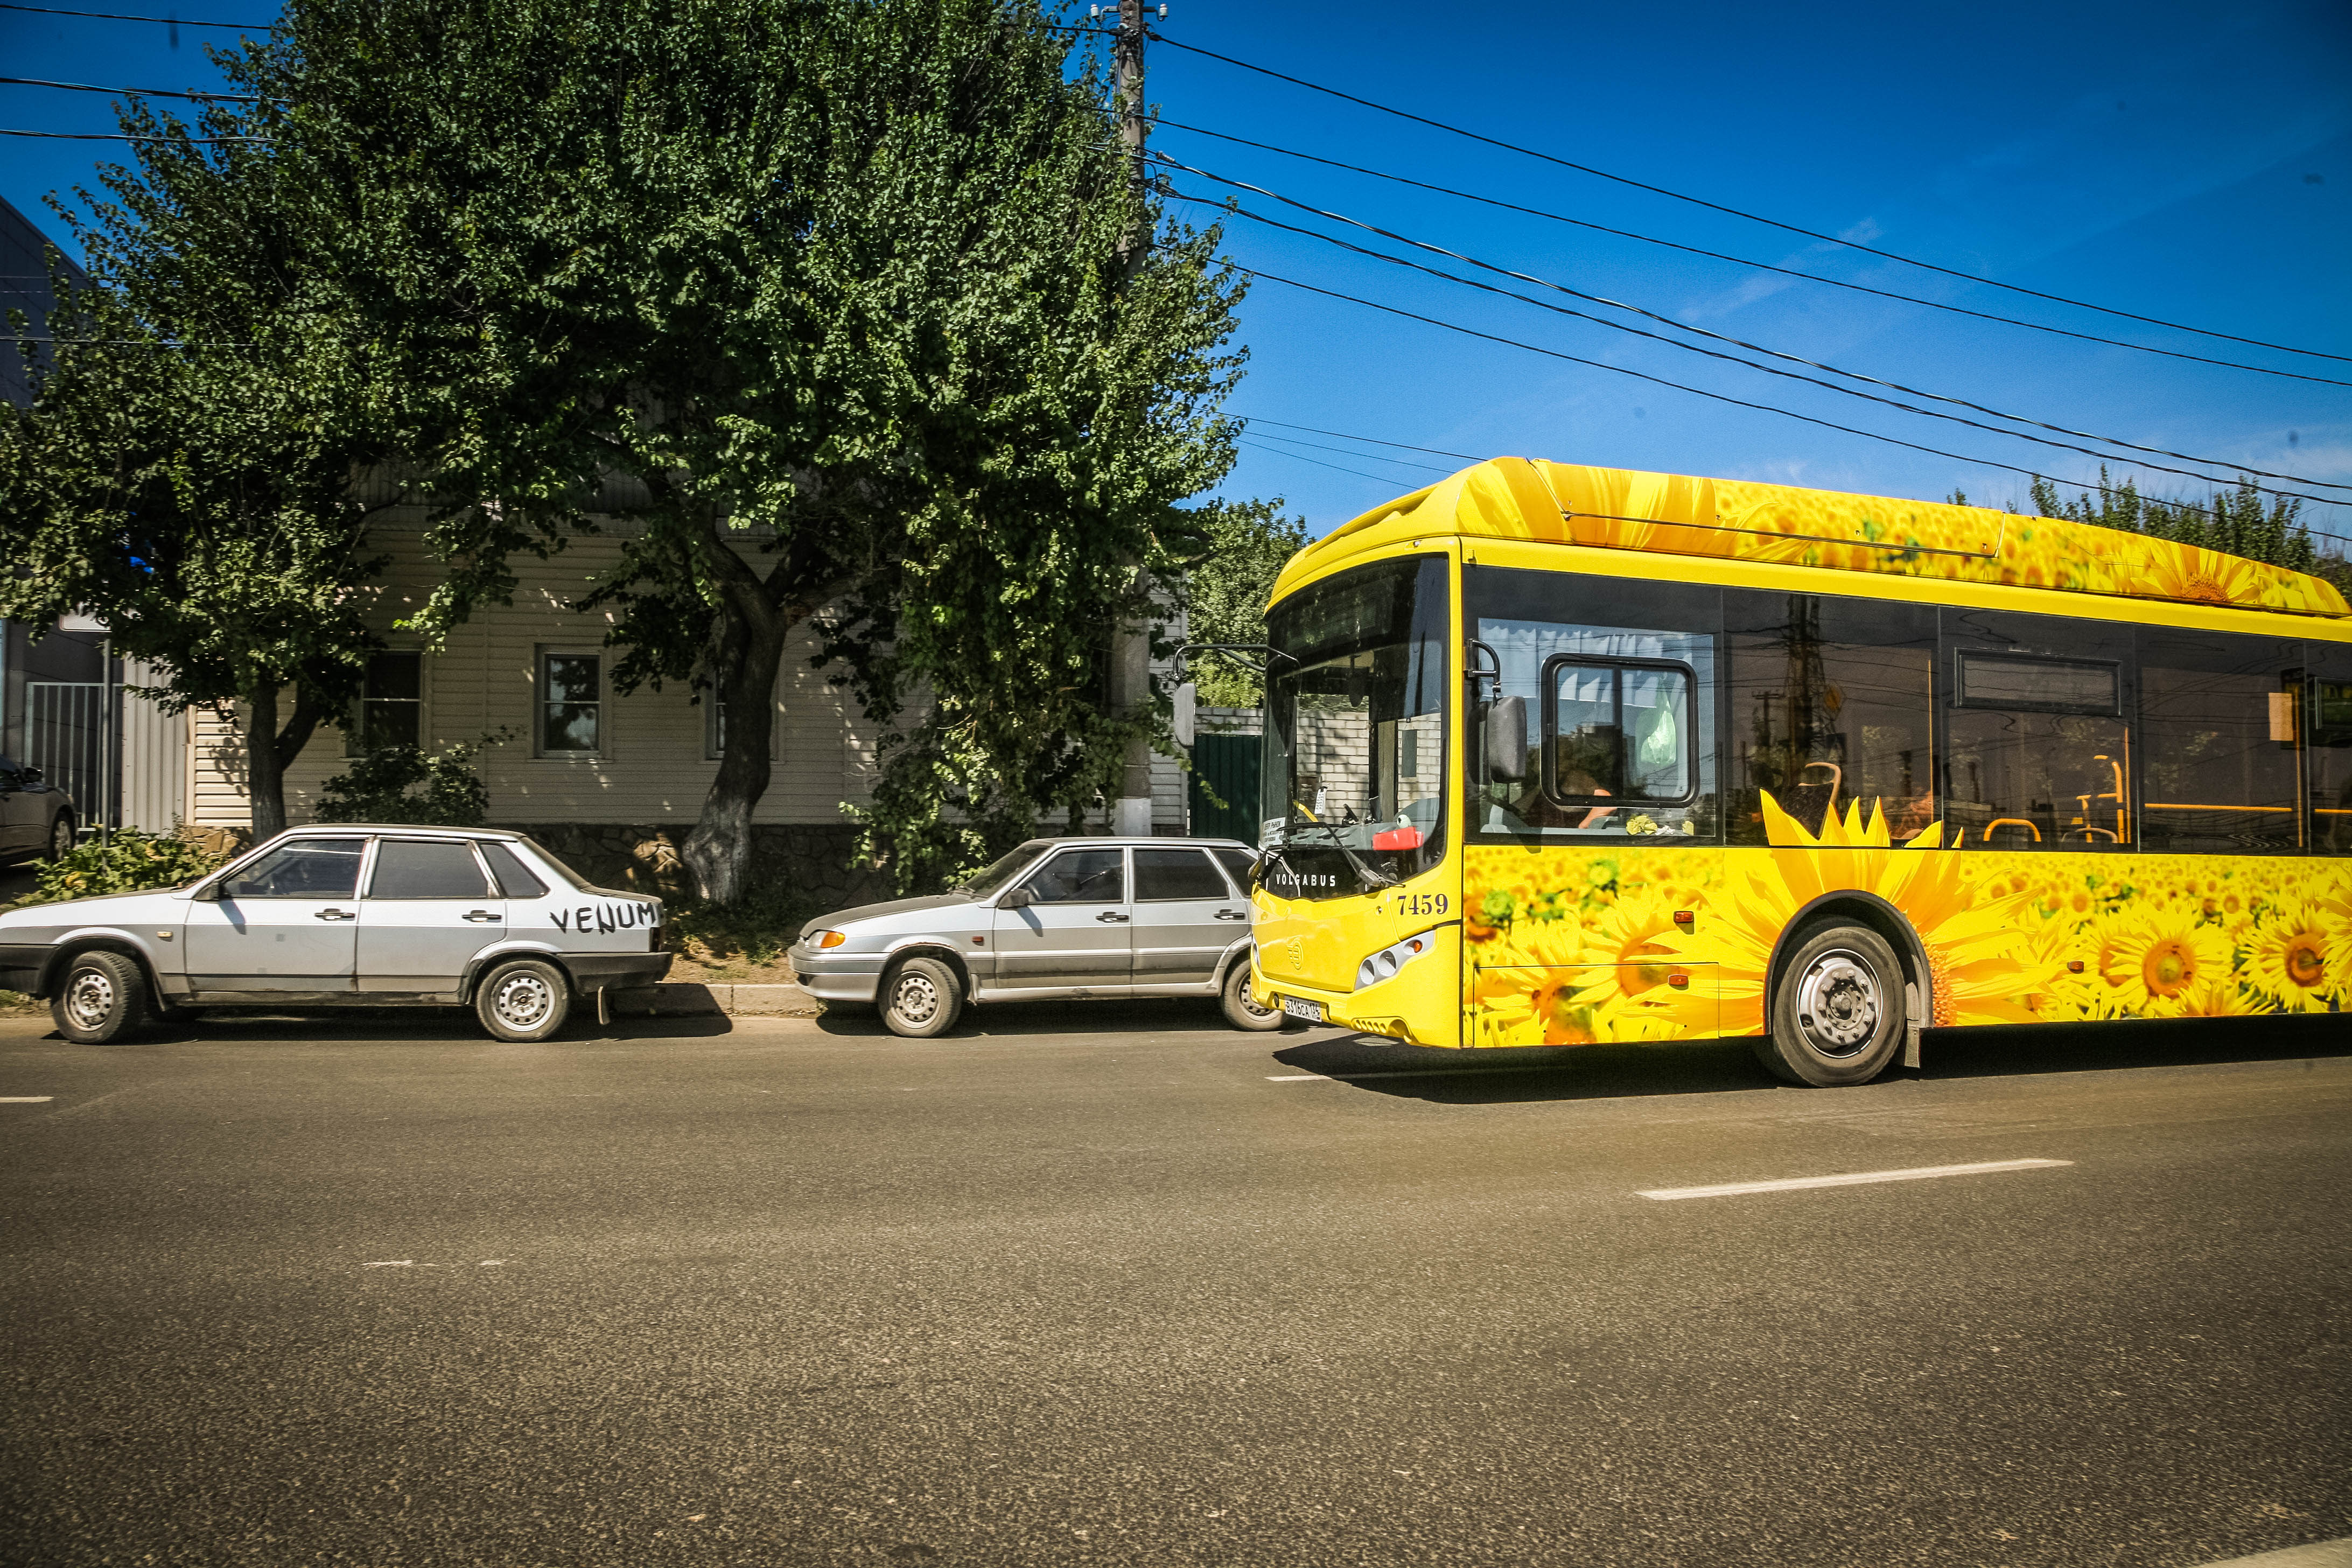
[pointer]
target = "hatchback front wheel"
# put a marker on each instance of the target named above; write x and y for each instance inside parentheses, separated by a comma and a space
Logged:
(921, 998)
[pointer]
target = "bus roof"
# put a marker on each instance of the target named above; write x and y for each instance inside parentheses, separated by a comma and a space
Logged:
(1737, 520)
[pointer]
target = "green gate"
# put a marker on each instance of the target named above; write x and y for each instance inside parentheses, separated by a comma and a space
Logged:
(1227, 767)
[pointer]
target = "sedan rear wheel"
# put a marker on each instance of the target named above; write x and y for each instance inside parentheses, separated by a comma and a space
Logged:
(525, 999)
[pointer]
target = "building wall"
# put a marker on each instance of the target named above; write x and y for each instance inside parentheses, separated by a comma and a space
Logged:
(656, 766)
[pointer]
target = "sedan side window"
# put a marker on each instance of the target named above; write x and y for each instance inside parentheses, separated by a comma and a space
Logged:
(426, 868)
(515, 879)
(1082, 877)
(1176, 874)
(309, 868)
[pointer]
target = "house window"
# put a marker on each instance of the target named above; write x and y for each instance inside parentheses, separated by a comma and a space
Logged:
(571, 704)
(714, 725)
(391, 704)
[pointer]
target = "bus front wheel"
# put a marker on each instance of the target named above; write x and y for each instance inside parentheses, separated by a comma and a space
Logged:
(1837, 1015)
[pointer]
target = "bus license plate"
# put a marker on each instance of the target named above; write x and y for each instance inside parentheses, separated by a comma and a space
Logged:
(1310, 1011)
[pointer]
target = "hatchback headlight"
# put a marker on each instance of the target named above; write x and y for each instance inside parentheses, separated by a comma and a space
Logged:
(828, 938)
(1383, 964)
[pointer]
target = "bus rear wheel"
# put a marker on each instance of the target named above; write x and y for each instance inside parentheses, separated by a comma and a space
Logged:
(1837, 1016)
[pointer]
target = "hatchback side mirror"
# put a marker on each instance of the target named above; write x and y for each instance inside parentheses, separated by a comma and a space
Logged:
(1506, 739)
(1016, 899)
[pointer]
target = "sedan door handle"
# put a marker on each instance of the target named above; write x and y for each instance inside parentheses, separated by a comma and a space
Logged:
(1232, 915)
(482, 915)
(336, 915)
(1111, 915)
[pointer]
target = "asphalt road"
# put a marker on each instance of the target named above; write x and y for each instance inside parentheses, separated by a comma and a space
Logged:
(1114, 1285)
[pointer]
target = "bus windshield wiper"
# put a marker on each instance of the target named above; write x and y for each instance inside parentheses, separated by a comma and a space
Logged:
(1372, 880)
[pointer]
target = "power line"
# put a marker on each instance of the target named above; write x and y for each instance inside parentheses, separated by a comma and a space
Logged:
(1299, 456)
(110, 136)
(1350, 452)
(139, 91)
(1752, 217)
(118, 16)
(1720, 396)
(1740, 342)
(1744, 261)
(1373, 440)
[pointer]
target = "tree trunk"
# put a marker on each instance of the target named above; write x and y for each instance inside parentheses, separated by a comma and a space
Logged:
(718, 851)
(265, 773)
(269, 751)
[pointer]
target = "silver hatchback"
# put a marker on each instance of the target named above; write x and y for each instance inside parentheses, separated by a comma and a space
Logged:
(1057, 917)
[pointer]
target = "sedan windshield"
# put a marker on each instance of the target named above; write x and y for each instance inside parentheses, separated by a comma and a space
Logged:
(1355, 737)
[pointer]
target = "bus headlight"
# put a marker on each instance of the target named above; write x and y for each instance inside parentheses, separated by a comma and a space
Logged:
(1383, 964)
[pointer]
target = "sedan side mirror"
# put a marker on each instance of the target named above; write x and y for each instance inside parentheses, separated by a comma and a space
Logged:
(1506, 739)
(210, 893)
(1016, 899)
(28, 775)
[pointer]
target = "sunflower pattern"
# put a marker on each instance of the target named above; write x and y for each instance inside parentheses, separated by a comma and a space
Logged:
(1568, 947)
(1567, 503)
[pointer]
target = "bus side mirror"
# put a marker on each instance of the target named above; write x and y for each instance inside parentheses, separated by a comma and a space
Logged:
(1506, 739)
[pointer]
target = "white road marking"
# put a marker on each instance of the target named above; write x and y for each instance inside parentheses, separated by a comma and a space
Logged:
(25, 1099)
(2318, 1554)
(393, 1263)
(1300, 1078)
(1852, 1179)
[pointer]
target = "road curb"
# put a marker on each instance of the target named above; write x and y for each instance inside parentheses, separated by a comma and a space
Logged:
(678, 998)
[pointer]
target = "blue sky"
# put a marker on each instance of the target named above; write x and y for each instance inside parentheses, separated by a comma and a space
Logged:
(2188, 163)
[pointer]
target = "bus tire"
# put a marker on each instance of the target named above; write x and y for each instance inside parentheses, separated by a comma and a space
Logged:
(920, 998)
(1837, 1016)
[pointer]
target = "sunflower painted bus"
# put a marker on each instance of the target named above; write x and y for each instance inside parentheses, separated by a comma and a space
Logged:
(1558, 755)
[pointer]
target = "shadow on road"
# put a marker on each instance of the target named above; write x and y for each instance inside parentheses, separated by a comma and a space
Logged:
(434, 1025)
(1716, 1067)
(994, 1020)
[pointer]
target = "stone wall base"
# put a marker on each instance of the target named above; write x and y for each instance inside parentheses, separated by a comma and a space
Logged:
(813, 861)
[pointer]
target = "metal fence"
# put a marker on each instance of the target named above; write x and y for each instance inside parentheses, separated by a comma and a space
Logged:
(67, 736)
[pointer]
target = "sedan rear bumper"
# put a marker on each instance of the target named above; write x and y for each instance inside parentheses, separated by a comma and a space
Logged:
(21, 964)
(602, 971)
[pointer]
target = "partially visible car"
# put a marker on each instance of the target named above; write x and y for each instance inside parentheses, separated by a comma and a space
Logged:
(343, 915)
(36, 817)
(1069, 917)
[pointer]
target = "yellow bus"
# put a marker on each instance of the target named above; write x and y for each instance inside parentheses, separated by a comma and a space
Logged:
(1558, 755)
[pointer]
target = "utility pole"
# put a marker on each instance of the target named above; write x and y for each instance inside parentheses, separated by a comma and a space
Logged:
(1130, 663)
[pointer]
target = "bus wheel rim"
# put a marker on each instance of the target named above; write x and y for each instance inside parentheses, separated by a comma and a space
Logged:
(1838, 1004)
(89, 998)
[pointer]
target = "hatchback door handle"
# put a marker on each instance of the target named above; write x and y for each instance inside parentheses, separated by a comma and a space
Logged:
(336, 915)
(1231, 915)
(482, 915)
(1111, 915)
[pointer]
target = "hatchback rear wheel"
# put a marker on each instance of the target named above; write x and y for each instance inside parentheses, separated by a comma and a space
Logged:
(1241, 1012)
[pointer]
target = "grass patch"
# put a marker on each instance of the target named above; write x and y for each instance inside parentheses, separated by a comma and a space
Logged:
(730, 941)
(17, 1002)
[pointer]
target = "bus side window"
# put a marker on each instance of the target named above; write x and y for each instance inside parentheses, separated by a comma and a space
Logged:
(2219, 742)
(2328, 728)
(2040, 753)
(1831, 708)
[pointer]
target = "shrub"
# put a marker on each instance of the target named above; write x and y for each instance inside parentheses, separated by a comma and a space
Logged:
(127, 861)
(406, 784)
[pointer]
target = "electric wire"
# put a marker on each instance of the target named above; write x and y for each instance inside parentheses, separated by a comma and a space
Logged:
(1372, 440)
(1744, 261)
(1381, 479)
(1739, 343)
(1736, 212)
(116, 136)
(1349, 452)
(118, 16)
(138, 91)
(1726, 397)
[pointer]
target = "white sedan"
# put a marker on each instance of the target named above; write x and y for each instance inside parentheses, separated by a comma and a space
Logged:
(343, 915)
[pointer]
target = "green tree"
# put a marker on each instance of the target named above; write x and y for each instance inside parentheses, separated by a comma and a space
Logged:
(185, 471)
(1249, 542)
(825, 292)
(2239, 522)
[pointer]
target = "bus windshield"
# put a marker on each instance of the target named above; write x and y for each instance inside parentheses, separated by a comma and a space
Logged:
(1355, 737)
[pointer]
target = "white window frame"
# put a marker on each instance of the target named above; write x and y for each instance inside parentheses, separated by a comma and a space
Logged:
(540, 703)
